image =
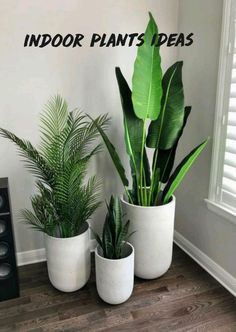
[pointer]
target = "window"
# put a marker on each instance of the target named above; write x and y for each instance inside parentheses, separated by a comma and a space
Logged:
(222, 193)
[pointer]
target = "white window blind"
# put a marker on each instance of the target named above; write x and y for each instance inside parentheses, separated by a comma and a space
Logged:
(222, 194)
(228, 185)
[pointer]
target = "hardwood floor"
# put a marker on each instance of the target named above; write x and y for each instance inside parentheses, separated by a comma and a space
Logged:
(186, 298)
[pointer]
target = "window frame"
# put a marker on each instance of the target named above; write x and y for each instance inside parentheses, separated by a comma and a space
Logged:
(214, 202)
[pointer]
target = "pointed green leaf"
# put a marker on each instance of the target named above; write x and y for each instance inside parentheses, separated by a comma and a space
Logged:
(112, 151)
(146, 167)
(133, 130)
(164, 131)
(115, 217)
(181, 171)
(97, 238)
(146, 82)
(133, 126)
(155, 187)
(166, 158)
(107, 239)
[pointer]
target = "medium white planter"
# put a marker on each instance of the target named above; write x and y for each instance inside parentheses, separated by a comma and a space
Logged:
(115, 277)
(153, 237)
(68, 260)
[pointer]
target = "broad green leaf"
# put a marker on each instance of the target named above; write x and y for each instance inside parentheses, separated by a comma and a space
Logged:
(166, 158)
(146, 82)
(155, 187)
(146, 168)
(133, 127)
(114, 156)
(133, 192)
(181, 171)
(164, 131)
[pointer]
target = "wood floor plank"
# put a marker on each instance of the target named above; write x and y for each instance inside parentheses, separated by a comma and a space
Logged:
(185, 299)
(141, 298)
(221, 323)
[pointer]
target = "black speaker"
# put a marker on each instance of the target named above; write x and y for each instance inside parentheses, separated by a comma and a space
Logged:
(9, 284)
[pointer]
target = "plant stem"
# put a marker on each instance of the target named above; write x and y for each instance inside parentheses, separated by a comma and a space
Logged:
(144, 189)
(141, 163)
(158, 191)
(128, 195)
(153, 177)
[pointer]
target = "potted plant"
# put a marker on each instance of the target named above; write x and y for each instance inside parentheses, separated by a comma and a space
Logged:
(64, 200)
(154, 117)
(114, 257)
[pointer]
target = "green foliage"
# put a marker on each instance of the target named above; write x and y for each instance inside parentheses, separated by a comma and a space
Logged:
(164, 131)
(146, 81)
(160, 99)
(113, 152)
(166, 158)
(115, 232)
(180, 172)
(64, 199)
(133, 128)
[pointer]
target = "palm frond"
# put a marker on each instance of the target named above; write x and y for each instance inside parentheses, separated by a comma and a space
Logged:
(34, 161)
(68, 141)
(87, 135)
(54, 117)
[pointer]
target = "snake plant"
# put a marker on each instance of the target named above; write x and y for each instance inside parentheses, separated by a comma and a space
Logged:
(115, 232)
(64, 200)
(154, 117)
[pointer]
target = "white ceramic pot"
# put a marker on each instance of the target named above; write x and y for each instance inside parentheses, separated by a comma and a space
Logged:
(153, 237)
(68, 260)
(115, 277)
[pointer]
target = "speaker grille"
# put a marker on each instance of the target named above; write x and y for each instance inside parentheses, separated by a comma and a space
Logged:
(4, 250)
(5, 271)
(2, 202)
(9, 286)
(3, 227)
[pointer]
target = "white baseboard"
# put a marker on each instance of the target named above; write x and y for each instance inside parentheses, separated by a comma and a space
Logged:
(217, 272)
(39, 255)
(30, 257)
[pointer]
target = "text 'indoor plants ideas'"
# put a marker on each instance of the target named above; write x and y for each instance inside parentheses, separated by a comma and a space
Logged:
(150, 204)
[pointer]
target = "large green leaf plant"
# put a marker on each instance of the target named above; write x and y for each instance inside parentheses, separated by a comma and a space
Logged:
(154, 116)
(65, 200)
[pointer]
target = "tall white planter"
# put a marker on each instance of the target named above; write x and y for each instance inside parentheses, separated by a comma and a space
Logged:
(115, 277)
(153, 237)
(68, 260)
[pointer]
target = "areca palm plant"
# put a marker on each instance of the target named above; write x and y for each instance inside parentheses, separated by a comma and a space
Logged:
(64, 200)
(154, 116)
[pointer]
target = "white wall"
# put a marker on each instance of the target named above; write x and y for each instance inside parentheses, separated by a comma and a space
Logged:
(84, 76)
(213, 235)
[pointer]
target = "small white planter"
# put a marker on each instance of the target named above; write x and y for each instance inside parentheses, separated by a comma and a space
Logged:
(68, 260)
(115, 277)
(153, 237)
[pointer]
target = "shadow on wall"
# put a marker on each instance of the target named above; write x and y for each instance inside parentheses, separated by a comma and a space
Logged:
(105, 99)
